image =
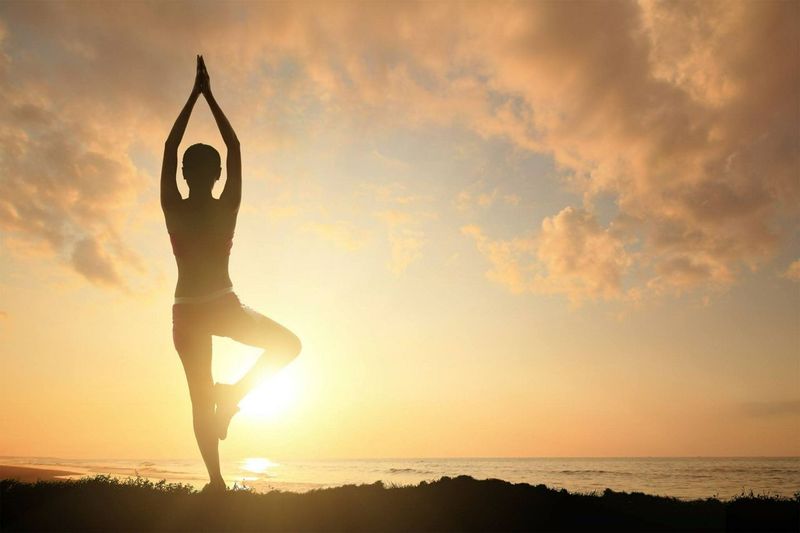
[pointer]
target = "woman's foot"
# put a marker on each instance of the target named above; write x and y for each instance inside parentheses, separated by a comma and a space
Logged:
(227, 406)
(214, 487)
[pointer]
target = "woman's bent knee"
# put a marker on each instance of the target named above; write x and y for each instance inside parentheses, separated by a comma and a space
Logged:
(294, 345)
(286, 344)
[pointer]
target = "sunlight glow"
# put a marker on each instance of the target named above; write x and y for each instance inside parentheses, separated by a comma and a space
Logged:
(257, 465)
(274, 397)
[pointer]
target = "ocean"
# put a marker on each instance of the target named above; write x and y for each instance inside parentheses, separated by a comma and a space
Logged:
(684, 478)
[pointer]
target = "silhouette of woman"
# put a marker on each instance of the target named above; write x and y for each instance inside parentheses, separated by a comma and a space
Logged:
(201, 231)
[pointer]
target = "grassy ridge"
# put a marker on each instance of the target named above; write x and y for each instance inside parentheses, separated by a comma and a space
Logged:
(103, 503)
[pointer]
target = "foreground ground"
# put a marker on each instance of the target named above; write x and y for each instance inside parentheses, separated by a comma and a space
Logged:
(449, 504)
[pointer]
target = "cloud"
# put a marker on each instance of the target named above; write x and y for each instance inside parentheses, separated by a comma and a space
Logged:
(390, 193)
(403, 216)
(581, 258)
(94, 262)
(771, 408)
(467, 200)
(669, 109)
(477, 195)
(63, 186)
(513, 261)
(343, 234)
(793, 272)
(572, 255)
(406, 239)
(81, 87)
(66, 181)
(691, 132)
(398, 211)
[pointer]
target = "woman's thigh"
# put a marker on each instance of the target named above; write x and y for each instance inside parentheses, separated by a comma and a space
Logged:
(193, 343)
(245, 325)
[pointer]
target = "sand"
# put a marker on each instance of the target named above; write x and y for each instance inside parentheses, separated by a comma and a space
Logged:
(31, 474)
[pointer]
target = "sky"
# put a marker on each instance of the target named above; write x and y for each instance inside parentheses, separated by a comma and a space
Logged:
(500, 229)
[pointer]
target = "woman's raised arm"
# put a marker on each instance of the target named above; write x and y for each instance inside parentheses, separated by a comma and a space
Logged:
(232, 193)
(169, 167)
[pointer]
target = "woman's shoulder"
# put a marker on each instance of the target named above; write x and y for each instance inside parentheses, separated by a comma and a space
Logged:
(176, 211)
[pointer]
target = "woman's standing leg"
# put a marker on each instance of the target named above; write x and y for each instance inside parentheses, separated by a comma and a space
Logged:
(194, 348)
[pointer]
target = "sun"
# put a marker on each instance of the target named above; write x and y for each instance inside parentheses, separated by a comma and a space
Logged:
(275, 396)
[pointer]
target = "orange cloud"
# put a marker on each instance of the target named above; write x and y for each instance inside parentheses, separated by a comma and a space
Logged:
(572, 255)
(341, 233)
(793, 272)
(771, 408)
(406, 239)
(512, 261)
(693, 133)
(63, 185)
(683, 113)
(582, 258)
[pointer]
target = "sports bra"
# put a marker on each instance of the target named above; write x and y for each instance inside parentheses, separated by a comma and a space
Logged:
(182, 247)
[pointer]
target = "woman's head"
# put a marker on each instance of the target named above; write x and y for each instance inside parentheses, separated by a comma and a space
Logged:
(201, 166)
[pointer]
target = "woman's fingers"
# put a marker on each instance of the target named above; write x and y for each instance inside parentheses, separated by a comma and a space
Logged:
(202, 74)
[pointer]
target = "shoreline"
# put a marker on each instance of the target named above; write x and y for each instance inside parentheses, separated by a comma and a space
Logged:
(683, 478)
(32, 474)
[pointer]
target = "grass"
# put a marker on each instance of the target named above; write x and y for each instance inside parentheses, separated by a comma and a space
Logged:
(104, 503)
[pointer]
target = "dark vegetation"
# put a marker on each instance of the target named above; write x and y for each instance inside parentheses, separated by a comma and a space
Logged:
(103, 503)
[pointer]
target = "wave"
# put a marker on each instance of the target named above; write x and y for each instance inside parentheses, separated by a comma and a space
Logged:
(604, 472)
(408, 471)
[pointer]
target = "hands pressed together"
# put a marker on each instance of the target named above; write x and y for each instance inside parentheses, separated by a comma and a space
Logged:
(202, 83)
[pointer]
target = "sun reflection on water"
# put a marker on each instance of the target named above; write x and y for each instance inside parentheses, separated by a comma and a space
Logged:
(257, 465)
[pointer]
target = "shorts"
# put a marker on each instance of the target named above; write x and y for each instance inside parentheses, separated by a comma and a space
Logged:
(193, 324)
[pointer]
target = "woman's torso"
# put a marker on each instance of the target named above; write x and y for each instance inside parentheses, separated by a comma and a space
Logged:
(201, 233)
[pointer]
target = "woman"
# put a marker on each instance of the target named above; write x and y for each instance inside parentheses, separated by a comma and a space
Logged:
(201, 231)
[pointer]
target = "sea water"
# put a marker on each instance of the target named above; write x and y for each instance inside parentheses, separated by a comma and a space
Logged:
(685, 478)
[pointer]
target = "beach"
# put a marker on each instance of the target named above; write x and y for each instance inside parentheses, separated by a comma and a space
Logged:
(685, 478)
(31, 474)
